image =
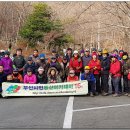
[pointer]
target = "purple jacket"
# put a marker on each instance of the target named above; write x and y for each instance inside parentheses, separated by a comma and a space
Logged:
(8, 65)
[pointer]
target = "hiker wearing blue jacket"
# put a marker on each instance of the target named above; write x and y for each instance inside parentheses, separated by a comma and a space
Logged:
(87, 75)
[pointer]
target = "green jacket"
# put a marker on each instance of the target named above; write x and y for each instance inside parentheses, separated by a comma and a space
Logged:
(126, 66)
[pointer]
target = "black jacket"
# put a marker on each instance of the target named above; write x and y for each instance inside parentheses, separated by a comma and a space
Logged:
(105, 64)
(33, 66)
(19, 62)
(42, 79)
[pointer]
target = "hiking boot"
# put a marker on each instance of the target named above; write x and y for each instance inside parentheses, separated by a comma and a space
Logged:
(96, 94)
(105, 94)
(126, 94)
(116, 95)
(91, 95)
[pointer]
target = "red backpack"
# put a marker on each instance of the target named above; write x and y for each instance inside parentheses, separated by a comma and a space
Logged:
(128, 76)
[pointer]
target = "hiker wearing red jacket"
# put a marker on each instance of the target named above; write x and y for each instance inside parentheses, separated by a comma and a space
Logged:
(95, 67)
(76, 63)
(72, 77)
(115, 73)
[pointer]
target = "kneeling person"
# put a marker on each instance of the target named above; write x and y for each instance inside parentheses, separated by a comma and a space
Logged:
(53, 76)
(72, 77)
(17, 78)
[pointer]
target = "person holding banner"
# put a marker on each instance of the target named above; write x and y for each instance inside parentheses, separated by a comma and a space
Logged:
(17, 77)
(53, 76)
(41, 76)
(2, 77)
(30, 78)
(87, 75)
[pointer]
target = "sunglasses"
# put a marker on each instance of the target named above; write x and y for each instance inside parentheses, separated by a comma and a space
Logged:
(71, 73)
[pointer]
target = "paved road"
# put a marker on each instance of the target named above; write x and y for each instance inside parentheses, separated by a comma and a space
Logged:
(49, 112)
(32, 112)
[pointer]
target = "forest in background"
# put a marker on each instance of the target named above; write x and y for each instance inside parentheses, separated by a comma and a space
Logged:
(91, 24)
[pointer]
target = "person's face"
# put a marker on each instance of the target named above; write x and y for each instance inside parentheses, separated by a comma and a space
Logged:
(9, 78)
(53, 60)
(35, 53)
(82, 54)
(71, 74)
(86, 53)
(65, 60)
(6, 55)
(69, 52)
(53, 53)
(76, 55)
(29, 61)
(1, 69)
(115, 52)
(94, 57)
(113, 58)
(53, 72)
(104, 55)
(19, 53)
(86, 71)
(99, 53)
(29, 73)
(40, 71)
(15, 73)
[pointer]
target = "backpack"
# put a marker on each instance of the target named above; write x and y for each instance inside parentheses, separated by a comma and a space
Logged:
(128, 76)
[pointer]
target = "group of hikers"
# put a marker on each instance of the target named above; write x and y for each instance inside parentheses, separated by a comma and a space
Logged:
(96, 67)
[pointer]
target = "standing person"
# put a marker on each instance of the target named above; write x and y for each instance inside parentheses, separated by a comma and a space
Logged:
(116, 52)
(128, 82)
(125, 67)
(35, 55)
(3, 77)
(19, 60)
(7, 63)
(41, 76)
(53, 76)
(17, 77)
(105, 67)
(82, 53)
(95, 67)
(54, 53)
(86, 58)
(94, 50)
(69, 54)
(65, 69)
(30, 78)
(121, 52)
(72, 77)
(76, 63)
(30, 64)
(54, 63)
(42, 61)
(88, 75)
(2, 53)
(115, 73)
(119, 57)
(100, 54)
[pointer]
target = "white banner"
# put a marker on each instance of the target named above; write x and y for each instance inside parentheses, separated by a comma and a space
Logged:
(57, 89)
